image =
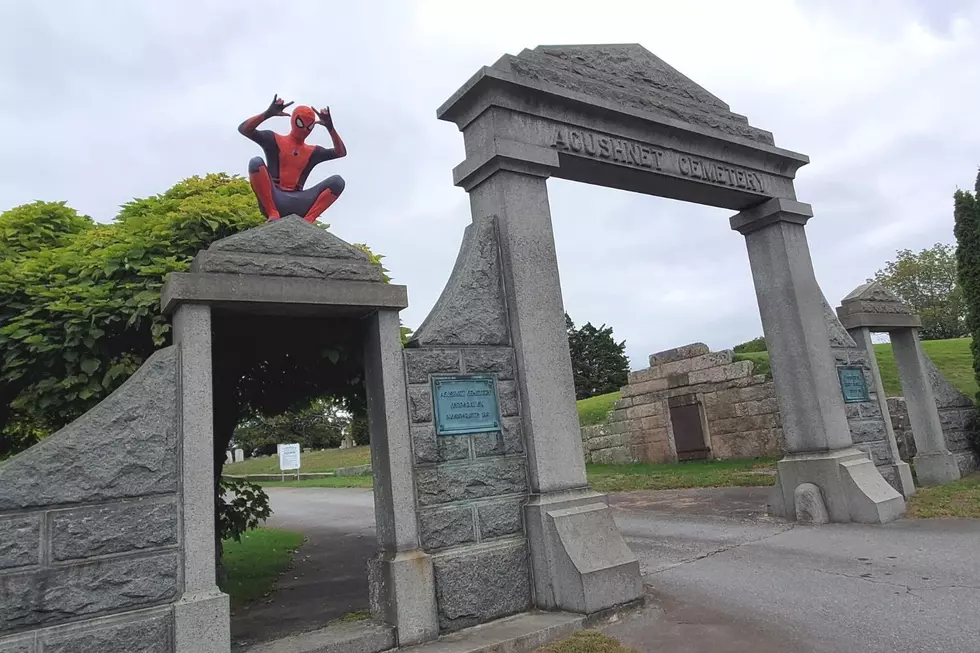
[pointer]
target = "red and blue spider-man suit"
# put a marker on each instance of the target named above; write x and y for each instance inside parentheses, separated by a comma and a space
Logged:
(278, 180)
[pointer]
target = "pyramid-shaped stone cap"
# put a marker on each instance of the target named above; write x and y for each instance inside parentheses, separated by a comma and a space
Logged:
(288, 247)
(874, 306)
(625, 78)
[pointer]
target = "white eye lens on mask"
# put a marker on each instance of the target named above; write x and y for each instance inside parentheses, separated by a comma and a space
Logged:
(299, 123)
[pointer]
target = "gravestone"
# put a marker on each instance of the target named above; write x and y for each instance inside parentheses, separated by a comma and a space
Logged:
(239, 455)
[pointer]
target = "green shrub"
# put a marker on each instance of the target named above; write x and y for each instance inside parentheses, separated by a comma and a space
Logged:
(754, 345)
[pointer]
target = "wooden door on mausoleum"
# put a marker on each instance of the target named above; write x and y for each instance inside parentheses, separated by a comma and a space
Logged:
(685, 421)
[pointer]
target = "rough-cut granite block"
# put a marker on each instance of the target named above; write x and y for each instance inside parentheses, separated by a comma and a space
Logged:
(153, 634)
(124, 447)
(20, 540)
(501, 574)
(430, 448)
(50, 596)
(500, 518)
(86, 532)
(420, 363)
(492, 360)
(445, 527)
(465, 482)
(420, 404)
(509, 440)
(507, 396)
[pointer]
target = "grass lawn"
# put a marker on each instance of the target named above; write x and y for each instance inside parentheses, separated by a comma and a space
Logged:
(595, 409)
(958, 499)
(254, 563)
(666, 476)
(952, 357)
(330, 481)
(313, 461)
(586, 641)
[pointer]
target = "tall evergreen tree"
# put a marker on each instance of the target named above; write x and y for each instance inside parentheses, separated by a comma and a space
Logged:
(599, 363)
(966, 213)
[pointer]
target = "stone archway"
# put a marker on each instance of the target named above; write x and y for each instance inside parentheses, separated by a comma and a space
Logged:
(618, 116)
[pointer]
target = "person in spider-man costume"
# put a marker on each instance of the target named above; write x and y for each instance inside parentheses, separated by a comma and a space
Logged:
(278, 180)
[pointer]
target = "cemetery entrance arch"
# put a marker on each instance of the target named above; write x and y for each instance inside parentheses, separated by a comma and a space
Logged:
(618, 116)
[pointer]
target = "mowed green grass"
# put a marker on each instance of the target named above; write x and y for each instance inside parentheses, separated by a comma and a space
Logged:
(952, 357)
(586, 641)
(594, 410)
(669, 476)
(957, 499)
(253, 564)
(314, 461)
(331, 481)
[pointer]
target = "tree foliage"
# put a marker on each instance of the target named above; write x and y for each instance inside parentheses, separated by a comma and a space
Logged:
(754, 345)
(599, 363)
(79, 313)
(966, 213)
(320, 425)
(79, 304)
(927, 281)
(241, 506)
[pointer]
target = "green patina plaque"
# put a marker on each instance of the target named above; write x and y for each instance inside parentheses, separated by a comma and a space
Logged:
(853, 384)
(465, 404)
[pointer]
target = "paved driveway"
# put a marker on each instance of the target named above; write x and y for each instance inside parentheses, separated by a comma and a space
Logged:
(724, 577)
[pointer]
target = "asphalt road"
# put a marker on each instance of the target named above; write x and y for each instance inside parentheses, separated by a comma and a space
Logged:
(723, 576)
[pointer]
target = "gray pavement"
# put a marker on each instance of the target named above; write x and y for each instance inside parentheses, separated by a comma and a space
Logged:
(329, 577)
(724, 577)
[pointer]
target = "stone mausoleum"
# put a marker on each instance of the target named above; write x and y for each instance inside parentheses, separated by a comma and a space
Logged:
(692, 403)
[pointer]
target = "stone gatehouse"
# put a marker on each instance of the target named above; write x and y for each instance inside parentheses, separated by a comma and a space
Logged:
(691, 403)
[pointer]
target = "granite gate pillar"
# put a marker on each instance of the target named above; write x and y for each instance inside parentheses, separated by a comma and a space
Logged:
(934, 463)
(201, 615)
(818, 439)
(873, 307)
(567, 523)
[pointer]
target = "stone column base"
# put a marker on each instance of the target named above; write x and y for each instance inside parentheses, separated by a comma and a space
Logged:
(202, 623)
(903, 474)
(579, 560)
(403, 595)
(853, 488)
(936, 468)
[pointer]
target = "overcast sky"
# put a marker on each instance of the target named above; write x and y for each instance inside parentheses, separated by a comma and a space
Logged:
(105, 101)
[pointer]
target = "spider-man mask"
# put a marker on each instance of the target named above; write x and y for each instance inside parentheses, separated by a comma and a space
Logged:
(302, 122)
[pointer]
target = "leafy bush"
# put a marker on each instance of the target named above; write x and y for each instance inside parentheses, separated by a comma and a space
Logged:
(247, 508)
(754, 345)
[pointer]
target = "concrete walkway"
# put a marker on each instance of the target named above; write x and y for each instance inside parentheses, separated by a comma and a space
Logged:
(723, 577)
(329, 575)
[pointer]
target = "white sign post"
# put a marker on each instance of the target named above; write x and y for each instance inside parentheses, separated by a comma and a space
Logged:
(289, 459)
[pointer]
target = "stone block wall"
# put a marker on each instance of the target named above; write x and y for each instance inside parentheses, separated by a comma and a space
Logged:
(470, 490)
(956, 414)
(89, 523)
(865, 420)
(740, 418)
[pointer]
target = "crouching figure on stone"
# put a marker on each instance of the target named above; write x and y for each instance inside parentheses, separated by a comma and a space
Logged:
(278, 180)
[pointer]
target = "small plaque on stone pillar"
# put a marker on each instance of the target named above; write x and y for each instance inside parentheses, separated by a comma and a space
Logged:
(465, 404)
(853, 384)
